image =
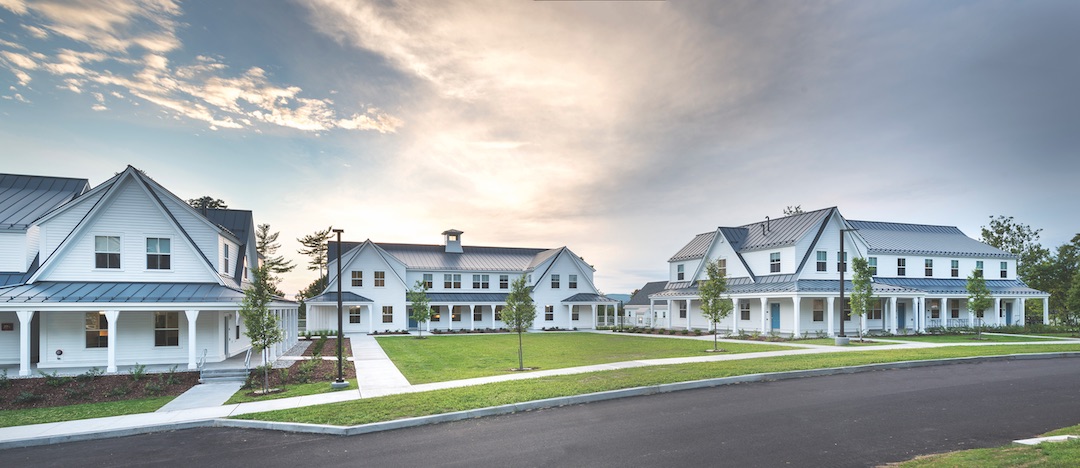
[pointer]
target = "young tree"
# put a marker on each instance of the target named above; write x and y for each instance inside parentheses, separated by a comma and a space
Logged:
(315, 247)
(862, 290)
(207, 202)
(978, 299)
(266, 244)
(261, 324)
(421, 306)
(715, 305)
(519, 313)
(1072, 300)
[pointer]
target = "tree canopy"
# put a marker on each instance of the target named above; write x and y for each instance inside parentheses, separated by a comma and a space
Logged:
(1016, 238)
(266, 244)
(421, 305)
(862, 289)
(793, 210)
(978, 299)
(260, 324)
(519, 313)
(315, 247)
(208, 203)
(715, 305)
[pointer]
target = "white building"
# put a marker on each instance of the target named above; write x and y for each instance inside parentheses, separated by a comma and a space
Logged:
(784, 276)
(119, 274)
(467, 286)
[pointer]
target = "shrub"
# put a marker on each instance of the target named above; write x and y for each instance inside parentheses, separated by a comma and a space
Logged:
(90, 375)
(169, 377)
(118, 391)
(77, 392)
(153, 388)
(137, 372)
(283, 374)
(25, 397)
(306, 369)
(4, 380)
(317, 348)
(54, 379)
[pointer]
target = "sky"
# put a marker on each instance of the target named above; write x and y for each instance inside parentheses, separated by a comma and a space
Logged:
(617, 129)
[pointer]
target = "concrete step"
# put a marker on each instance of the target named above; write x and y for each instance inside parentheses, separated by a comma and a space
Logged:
(223, 375)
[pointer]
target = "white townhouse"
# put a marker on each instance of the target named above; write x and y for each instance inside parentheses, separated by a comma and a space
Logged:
(119, 274)
(784, 277)
(467, 286)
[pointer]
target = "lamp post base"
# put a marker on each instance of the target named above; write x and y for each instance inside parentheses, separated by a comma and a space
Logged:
(841, 341)
(336, 385)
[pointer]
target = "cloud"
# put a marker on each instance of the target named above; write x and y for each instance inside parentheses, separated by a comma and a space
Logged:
(15, 6)
(99, 107)
(126, 46)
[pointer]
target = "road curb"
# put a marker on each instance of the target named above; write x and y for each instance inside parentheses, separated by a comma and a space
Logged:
(517, 407)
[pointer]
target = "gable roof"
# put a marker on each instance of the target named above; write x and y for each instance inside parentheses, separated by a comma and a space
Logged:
(25, 198)
(778, 232)
(922, 239)
(241, 224)
(435, 257)
(642, 296)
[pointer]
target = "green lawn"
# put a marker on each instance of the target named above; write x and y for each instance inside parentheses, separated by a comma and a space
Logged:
(292, 390)
(442, 358)
(1045, 454)
(832, 342)
(24, 417)
(457, 399)
(967, 338)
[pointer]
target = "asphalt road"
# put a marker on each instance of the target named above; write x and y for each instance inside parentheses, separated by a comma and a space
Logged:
(848, 420)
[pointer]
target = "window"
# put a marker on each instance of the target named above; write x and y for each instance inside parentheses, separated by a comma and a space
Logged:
(872, 263)
(682, 309)
(354, 315)
(1004, 269)
(166, 328)
(822, 260)
(846, 309)
(935, 309)
(97, 330)
(554, 281)
(477, 314)
(387, 314)
(722, 263)
(774, 262)
(573, 313)
(504, 281)
(225, 259)
(436, 314)
(979, 269)
(455, 314)
(480, 281)
(955, 269)
(380, 279)
(572, 282)
(744, 311)
(901, 267)
(452, 281)
(158, 253)
(107, 252)
(841, 265)
(819, 310)
(875, 312)
(498, 312)
(954, 308)
(680, 271)
(549, 313)
(428, 280)
(928, 265)
(358, 279)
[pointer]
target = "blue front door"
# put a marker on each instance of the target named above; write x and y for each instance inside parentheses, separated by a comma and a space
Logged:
(775, 315)
(412, 322)
(1008, 313)
(901, 321)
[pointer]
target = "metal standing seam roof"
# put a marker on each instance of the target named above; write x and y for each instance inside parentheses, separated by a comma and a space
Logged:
(959, 286)
(25, 198)
(467, 297)
(76, 292)
(238, 222)
(922, 239)
(588, 297)
(642, 296)
(435, 257)
(696, 248)
(346, 296)
(787, 284)
(760, 235)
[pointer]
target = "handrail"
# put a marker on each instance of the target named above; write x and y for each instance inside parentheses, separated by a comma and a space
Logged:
(247, 359)
(202, 360)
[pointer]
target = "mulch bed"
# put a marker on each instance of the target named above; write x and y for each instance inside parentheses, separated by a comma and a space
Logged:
(663, 331)
(325, 371)
(40, 392)
(328, 349)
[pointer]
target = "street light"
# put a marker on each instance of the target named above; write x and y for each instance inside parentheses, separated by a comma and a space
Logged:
(842, 338)
(340, 382)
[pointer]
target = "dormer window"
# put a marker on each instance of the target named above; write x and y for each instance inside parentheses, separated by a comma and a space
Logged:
(225, 259)
(774, 262)
(107, 252)
(680, 272)
(1004, 270)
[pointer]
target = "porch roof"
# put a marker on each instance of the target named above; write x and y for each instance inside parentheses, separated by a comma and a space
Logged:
(959, 286)
(881, 286)
(331, 297)
(467, 297)
(588, 297)
(114, 292)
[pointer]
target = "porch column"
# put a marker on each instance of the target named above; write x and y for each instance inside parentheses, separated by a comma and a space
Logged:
(25, 318)
(944, 313)
(670, 312)
(112, 316)
(192, 356)
(1020, 310)
(893, 326)
(830, 312)
(688, 314)
(493, 306)
(997, 312)
(764, 314)
(1046, 311)
(735, 311)
(472, 316)
(796, 332)
(595, 307)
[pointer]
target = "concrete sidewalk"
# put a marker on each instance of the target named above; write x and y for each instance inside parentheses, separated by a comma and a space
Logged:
(377, 376)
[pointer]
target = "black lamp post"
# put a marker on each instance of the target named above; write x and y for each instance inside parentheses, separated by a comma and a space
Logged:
(843, 268)
(340, 382)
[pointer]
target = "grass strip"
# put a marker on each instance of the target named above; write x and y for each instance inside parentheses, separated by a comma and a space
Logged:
(1046, 454)
(401, 406)
(967, 338)
(444, 358)
(22, 417)
(292, 390)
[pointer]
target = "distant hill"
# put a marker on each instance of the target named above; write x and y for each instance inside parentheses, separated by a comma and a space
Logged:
(619, 297)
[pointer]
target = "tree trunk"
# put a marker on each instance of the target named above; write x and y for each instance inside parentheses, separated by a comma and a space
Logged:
(266, 372)
(521, 359)
(714, 333)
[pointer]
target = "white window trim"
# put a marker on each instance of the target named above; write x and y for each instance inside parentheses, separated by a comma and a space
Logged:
(157, 271)
(94, 252)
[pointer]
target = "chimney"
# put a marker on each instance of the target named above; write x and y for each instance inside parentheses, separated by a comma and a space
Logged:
(453, 240)
(768, 224)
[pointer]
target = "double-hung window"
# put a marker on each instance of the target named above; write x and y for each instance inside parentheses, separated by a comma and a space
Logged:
(452, 281)
(97, 330)
(774, 262)
(387, 314)
(225, 258)
(573, 282)
(549, 313)
(1004, 270)
(954, 268)
(354, 314)
(504, 281)
(822, 260)
(680, 271)
(166, 328)
(872, 263)
(554, 281)
(819, 310)
(480, 281)
(682, 309)
(979, 269)
(901, 267)
(928, 265)
(358, 279)
(498, 312)
(158, 253)
(380, 279)
(477, 314)
(107, 252)
(428, 280)
(744, 311)
(722, 264)
(841, 264)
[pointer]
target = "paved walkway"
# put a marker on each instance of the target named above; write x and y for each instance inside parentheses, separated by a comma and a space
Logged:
(377, 376)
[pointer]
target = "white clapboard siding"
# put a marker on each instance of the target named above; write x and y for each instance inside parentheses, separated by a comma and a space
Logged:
(9, 340)
(58, 227)
(203, 236)
(13, 251)
(31, 245)
(133, 216)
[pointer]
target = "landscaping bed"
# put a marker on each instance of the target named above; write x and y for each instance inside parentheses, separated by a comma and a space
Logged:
(90, 387)
(464, 332)
(306, 377)
(327, 347)
(659, 331)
